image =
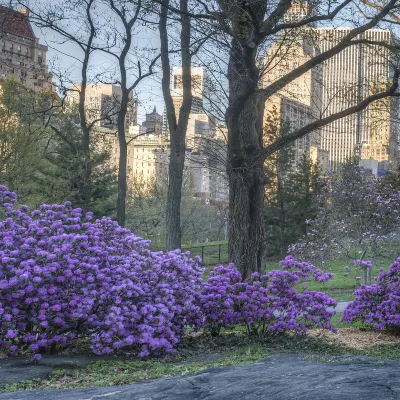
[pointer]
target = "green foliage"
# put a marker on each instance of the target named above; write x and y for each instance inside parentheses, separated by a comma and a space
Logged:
(41, 152)
(289, 201)
(24, 116)
(67, 160)
(146, 213)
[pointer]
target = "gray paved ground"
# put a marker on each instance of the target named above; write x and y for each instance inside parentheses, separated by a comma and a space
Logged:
(21, 369)
(281, 377)
(341, 305)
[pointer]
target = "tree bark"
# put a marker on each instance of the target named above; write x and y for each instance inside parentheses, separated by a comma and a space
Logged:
(86, 128)
(123, 158)
(247, 248)
(178, 127)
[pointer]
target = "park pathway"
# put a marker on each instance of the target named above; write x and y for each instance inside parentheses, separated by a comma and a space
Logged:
(341, 305)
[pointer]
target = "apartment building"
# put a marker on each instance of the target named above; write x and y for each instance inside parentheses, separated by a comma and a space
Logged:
(22, 56)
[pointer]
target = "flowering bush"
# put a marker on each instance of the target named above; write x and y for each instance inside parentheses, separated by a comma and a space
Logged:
(265, 303)
(64, 277)
(378, 304)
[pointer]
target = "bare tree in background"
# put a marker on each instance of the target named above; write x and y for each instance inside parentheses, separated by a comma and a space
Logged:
(56, 18)
(127, 13)
(108, 27)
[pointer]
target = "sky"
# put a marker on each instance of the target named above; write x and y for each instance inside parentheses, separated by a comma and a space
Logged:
(64, 56)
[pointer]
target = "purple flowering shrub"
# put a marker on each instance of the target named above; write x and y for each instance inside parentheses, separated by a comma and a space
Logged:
(64, 276)
(378, 304)
(265, 303)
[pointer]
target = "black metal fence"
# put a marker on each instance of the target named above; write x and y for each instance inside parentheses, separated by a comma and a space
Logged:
(210, 254)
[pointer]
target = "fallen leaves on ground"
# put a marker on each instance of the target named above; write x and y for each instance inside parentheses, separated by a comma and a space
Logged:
(355, 338)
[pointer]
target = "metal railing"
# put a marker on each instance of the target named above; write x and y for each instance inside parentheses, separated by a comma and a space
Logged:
(210, 254)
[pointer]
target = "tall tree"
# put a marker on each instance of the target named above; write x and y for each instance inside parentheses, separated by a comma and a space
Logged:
(177, 124)
(58, 18)
(247, 29)
(108, 27)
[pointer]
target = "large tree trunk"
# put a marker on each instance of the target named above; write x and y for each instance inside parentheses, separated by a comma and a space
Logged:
(123, 156)
(247, 249)
(122, 184)
(175, 180)
(178, 126)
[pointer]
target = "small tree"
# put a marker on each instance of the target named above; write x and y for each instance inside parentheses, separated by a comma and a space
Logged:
(290, 201)
(82, 24)
(358, 217)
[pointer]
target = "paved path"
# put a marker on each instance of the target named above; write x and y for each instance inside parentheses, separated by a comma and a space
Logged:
(281, 377)
(341, 305)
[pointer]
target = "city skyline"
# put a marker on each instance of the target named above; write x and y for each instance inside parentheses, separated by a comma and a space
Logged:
(372, 138)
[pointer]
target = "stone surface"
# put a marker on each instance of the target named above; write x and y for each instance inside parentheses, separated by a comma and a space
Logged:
(22, 369)
(341, 305)
(283, 377)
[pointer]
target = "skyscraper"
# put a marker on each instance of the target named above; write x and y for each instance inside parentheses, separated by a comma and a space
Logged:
(198, 89)
(352, 75)
(296, 104)
(337, 84)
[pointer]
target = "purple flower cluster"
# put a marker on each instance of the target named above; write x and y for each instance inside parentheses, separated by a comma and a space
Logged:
(379, 304)
(363, 264)
(64, 276)
(265, 303)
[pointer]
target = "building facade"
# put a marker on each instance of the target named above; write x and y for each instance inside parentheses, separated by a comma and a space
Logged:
(153, 123)
(22, 56)
(200, 92)
(352, 75)
(102, 104)
(142, 152)
(336, 85)
(299, 102)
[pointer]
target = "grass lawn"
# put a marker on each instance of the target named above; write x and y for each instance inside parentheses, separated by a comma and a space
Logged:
(339, 287)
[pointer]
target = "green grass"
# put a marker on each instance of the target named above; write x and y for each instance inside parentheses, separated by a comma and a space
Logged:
(335, 322)
(339, 287)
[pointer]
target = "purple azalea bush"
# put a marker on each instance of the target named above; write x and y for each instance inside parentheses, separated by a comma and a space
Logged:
(265, 303)
(378, 304)
(64, 276)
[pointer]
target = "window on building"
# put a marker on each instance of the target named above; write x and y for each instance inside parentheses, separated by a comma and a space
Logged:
(40, 57)
(19, 50)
